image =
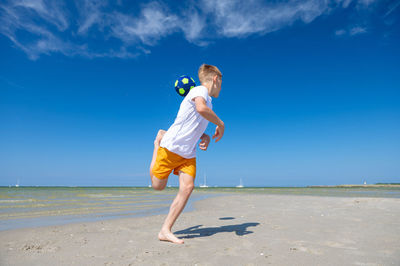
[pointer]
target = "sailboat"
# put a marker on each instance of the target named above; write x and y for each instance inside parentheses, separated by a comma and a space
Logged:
(205, 182)
(241, 184)
(17, 185)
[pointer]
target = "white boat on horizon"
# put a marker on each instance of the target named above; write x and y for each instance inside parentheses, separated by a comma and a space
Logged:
(240, 184)
(205, 182)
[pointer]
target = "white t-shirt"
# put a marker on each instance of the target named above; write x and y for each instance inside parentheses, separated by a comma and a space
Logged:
(182, 137)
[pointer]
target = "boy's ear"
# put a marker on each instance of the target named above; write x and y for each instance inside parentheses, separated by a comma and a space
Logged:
(215, 78)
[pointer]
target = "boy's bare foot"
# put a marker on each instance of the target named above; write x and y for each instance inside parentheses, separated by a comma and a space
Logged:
(169, 236)
(159, 136)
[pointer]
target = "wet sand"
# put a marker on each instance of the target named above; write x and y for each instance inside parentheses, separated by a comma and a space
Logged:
(239, 229)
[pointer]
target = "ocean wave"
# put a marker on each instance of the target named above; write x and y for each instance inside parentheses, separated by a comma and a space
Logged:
(16, 200)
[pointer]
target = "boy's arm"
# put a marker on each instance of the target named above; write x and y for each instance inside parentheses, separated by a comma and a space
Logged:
(207, 113)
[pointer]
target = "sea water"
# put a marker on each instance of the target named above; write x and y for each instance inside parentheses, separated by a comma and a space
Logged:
(376, 192)
(42, 206)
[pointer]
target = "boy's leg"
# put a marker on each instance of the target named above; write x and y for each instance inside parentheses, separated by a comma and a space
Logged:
(186, 185)
(158, 184)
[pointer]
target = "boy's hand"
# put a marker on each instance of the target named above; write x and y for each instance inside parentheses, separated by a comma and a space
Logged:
(205, 141)
(219, 132)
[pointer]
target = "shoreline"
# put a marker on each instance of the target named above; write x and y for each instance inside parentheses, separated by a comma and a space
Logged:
(230, 229)
(397, 185)
(76, 218)
(360, 186)
(24, 208)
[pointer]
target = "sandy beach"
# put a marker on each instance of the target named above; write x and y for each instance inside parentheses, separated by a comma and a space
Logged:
(238, 229)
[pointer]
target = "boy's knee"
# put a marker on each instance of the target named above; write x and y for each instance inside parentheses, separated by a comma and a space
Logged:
(157, 187)
(156, 184)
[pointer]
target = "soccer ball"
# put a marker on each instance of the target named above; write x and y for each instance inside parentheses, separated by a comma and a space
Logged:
(184, 84)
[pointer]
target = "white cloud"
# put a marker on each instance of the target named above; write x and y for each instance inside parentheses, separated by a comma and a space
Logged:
(51, 27)
(340, 32)
(352, 31)
(346, 3)
(90, 14)
(193, 27)
(391, 8)
(13, 20)
(152, 24)
(10, 83)
(122, 53)
(357, 30)
(365, 3)
(51, 11)
(235, 18)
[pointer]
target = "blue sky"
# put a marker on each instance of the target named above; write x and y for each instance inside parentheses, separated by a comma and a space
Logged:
(310, 93)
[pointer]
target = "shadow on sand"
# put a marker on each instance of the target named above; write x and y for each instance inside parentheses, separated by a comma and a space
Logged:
(196, 231)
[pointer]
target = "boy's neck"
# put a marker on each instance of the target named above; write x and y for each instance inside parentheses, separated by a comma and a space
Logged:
(208, 86)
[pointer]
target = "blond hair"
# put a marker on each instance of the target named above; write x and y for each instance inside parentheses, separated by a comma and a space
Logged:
(208, 72)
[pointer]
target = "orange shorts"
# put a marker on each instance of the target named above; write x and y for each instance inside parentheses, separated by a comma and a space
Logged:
(167, 161)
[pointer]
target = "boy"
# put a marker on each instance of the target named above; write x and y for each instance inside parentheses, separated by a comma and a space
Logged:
(175, 149)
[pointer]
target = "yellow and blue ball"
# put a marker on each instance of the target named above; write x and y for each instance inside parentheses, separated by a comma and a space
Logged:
(184, 84)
